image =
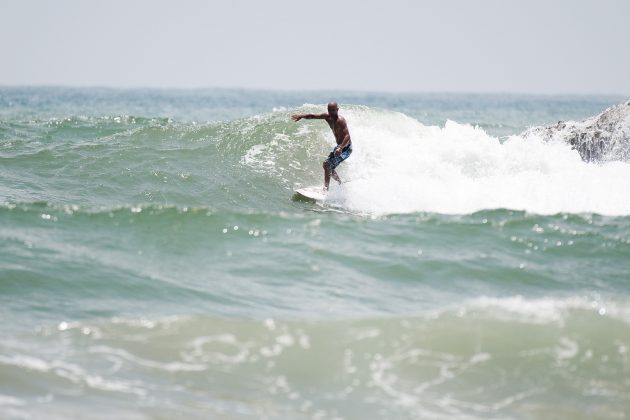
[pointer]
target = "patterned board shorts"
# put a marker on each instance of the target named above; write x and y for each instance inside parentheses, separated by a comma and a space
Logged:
(336, 160)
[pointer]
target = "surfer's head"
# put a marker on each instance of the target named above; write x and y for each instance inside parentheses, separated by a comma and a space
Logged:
(332, 109)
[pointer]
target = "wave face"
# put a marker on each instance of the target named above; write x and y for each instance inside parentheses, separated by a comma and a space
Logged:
(155, 262)
(399, 165)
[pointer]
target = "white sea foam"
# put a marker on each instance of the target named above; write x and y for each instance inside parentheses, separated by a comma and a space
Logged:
(400, 165)
(547, 310)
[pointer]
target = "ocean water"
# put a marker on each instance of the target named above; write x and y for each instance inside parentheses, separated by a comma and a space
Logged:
(155, 262)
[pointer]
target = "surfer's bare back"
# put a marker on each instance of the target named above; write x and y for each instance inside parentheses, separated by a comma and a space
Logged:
(342, 151)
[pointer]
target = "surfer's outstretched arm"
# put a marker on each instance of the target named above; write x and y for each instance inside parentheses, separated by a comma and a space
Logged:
(298, 117)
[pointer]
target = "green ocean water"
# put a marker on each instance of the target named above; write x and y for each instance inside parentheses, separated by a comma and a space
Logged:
(156, 263)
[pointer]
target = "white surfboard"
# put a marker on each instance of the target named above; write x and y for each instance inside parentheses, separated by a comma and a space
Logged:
(314, 193)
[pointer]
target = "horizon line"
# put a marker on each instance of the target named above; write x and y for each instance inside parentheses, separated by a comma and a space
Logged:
(310, 90)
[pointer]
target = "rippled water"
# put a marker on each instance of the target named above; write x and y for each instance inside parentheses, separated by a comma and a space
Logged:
(155, 262)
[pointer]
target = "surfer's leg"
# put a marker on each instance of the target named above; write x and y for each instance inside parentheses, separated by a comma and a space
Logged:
(327, 171)
(335, 176)
(334, 161)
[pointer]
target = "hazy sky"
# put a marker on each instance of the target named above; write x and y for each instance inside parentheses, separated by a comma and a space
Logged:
(528, 46)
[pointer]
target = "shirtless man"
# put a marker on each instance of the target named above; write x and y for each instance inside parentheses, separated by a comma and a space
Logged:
(339, 127)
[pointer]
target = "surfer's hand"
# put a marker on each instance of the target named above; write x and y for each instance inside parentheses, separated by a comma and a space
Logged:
(337, 151)
(296, 117)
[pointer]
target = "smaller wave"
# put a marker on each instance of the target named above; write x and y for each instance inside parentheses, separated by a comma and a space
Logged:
(497, 358)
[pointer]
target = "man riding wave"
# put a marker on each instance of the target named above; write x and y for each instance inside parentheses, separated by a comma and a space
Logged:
(339, 127)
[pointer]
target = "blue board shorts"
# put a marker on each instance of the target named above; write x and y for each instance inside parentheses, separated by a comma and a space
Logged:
(336, 160)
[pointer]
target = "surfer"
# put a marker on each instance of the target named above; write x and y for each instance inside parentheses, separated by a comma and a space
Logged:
(339, 127)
